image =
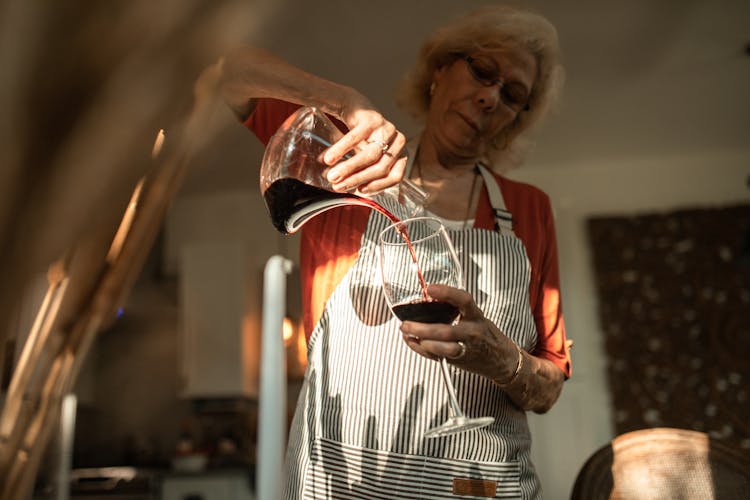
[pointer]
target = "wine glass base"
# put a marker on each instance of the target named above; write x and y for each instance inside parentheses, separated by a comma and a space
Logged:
(455, 425)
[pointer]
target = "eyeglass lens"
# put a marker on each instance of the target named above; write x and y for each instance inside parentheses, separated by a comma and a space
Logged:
(486, 72)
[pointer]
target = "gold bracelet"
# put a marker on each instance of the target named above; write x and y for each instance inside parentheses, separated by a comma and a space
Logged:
(518, 369)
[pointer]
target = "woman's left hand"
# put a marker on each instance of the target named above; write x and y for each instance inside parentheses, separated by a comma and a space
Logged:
(487, 351)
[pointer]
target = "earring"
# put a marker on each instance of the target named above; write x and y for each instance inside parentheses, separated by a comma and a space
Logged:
(432, 88)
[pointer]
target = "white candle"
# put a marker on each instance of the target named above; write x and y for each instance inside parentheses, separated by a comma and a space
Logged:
(272, 398)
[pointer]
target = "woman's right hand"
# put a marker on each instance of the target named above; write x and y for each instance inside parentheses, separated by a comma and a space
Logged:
(378, 161)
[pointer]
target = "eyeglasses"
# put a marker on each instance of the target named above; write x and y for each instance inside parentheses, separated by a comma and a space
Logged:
(486, 72)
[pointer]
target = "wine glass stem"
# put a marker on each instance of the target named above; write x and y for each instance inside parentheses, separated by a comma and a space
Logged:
(455, 409)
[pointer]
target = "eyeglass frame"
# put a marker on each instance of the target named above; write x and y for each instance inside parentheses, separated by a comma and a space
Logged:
(491, 82)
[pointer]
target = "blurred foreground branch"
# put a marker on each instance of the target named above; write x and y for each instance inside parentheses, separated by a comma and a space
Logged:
(85, 88)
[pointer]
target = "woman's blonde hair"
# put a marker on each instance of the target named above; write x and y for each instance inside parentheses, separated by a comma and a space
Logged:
(489, 28)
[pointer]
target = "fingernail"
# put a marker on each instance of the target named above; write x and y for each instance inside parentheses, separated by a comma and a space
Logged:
(334, 176)
(411, 338)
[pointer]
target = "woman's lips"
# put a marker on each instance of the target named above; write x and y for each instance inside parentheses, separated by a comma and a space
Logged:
(471, 123)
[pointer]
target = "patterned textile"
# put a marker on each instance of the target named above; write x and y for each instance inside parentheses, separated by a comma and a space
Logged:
(674, 306)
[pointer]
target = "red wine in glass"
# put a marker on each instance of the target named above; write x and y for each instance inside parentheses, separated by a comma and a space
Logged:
(426, 311)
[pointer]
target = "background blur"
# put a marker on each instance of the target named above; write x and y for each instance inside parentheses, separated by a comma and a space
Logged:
(655, 117)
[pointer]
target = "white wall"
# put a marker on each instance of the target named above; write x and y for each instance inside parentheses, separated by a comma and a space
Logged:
(581, 421)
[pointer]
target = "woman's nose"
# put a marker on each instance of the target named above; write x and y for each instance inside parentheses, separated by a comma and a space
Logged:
(488, 97)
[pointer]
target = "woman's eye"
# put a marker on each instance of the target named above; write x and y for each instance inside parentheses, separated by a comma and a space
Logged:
(509, 97)
(514, 95)
(484, 72)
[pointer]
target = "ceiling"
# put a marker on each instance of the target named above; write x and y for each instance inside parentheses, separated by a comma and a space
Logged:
(643, 78)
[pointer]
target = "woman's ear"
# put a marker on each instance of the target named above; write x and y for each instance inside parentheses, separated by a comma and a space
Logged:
(439, 74)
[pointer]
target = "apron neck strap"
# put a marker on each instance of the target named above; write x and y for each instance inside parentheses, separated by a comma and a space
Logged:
(503, 218)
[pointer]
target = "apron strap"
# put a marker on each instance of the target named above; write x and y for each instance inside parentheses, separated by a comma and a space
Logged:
(503, 217)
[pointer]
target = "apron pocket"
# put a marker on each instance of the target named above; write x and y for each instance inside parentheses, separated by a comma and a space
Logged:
(338, 470)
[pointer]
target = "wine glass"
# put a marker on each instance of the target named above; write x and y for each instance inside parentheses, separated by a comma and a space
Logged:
(414, 253)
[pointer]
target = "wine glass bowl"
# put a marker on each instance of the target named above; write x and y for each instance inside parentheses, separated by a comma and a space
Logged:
(414, 253)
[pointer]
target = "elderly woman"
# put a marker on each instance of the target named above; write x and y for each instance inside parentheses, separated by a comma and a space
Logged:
(372, 388)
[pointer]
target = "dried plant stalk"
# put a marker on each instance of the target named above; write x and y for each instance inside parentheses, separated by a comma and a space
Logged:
(79, 123)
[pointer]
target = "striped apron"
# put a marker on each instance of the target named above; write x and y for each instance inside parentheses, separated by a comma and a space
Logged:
(367, 399)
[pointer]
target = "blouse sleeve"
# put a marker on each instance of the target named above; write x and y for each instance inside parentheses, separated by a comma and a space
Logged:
(267, 116)
(547, 308)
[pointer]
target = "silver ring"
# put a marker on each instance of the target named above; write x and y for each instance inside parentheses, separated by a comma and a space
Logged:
(463, 350)
(383, 145)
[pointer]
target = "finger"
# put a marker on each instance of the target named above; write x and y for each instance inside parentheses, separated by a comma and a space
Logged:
(390, 133)
(378, 131)
(394, 162)
(435, 349)
(347, 143)
(383, 136)
(387, 171)
(367, 156)
(415, 345)
(382, 145)
(395, 176)
(358, 170)
(378, 176)
(431, 331)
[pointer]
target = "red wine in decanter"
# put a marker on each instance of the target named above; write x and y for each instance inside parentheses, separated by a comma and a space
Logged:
(291, 203)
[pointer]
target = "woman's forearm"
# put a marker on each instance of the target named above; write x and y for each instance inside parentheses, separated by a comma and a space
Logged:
(537, 385)
(249, 73)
